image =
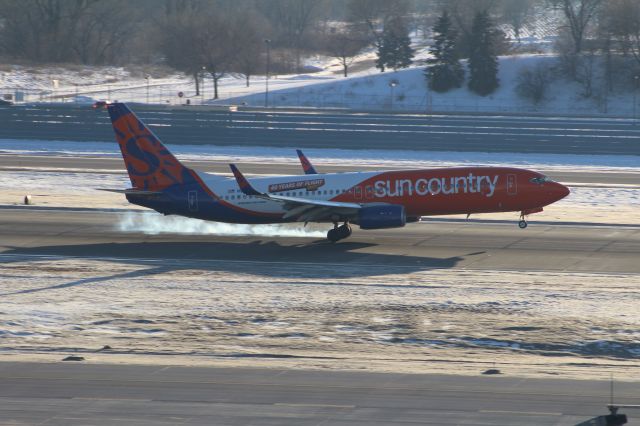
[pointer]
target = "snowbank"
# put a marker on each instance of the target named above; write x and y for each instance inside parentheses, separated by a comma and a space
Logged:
(374, 91)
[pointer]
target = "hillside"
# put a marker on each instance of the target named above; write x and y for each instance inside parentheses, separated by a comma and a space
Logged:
(373, 91)
(365, 89)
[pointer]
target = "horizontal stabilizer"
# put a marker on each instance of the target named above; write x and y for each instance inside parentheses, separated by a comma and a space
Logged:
(131, 191)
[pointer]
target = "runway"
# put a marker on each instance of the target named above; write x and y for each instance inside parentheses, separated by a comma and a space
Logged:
(232, 394)
(554, 300)
(63, 232)
(87, 164)
(304, 129)
(65, 394)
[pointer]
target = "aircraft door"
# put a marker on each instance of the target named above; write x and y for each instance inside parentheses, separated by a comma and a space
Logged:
(192, 199)
(512, 185)
(358, 192)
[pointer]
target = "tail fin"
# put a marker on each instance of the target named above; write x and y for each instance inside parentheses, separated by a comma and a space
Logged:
(150, 165)
(306, 164)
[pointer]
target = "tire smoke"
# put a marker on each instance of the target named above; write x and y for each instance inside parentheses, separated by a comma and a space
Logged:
(152, 223)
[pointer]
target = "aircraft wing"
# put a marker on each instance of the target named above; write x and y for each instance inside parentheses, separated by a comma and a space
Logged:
(303, 208)
(131, 191)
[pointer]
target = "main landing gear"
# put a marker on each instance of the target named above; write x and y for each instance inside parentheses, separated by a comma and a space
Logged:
(339, 232)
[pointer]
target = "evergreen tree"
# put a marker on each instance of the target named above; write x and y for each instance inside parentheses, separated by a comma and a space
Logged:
(444, 71)
(395, 49)
(483, 62)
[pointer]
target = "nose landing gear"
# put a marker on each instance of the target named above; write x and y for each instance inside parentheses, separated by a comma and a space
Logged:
(523, 223)
(339, 232)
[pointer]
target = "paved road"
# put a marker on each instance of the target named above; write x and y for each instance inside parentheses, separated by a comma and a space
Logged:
(82, 394)
(12, 162)
(491, 133)
(25, 231)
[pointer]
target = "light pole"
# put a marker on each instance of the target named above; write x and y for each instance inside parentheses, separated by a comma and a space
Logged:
(147, 78)
(204, 74)
(636, 78)
(267, 42)
(392, 85)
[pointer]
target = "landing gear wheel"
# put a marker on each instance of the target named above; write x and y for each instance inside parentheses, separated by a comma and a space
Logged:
(333, 235)
(344, 231)
(522, 224)
(339, 232)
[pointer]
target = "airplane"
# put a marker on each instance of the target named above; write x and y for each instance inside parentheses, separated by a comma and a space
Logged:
(371, 200)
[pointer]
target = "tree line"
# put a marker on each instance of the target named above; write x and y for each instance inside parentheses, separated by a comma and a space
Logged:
(221, 37)
(598, 46)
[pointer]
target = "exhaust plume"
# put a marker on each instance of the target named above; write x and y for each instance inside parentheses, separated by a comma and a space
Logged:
(152, 223)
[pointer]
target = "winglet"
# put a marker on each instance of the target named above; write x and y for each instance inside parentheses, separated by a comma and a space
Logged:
(243, 183)
(306, 164)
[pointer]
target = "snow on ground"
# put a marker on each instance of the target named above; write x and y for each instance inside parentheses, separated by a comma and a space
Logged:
(68, 77)
(381, 158)
(365, 88)
(373, 91)
(540, 31)
(375, 318)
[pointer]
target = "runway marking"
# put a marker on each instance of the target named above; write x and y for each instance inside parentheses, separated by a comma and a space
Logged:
(86, 398)
(530, 413)
(284, 404)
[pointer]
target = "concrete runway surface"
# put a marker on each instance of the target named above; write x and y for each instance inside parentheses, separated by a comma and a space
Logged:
(26, 231)
(94, 394)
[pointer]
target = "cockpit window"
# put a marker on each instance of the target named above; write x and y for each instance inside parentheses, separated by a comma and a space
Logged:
(540, 180)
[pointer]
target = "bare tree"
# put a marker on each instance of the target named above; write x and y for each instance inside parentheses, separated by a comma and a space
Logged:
(533, 83)
(579, 15)
(586, 69)
(375, 14)
(621, 22)
(292, 21)
(86, 31)
(216, 48)
(517, 13)
(37, 29)
(179, 43)
(249, 45)
(344, 44)
(105, 28)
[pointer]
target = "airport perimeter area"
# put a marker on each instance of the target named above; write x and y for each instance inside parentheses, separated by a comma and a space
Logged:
(178, 322)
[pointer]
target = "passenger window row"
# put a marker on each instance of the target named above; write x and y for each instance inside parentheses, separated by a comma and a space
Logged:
(293, 194)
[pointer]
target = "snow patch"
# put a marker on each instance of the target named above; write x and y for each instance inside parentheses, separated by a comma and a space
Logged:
(320, 156)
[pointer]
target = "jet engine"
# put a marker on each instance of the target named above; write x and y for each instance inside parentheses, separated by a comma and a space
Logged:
(382, 216)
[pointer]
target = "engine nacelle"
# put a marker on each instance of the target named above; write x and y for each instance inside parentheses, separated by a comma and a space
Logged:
(382, 216)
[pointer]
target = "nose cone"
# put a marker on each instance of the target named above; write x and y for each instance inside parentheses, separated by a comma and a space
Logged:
(559, 191)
